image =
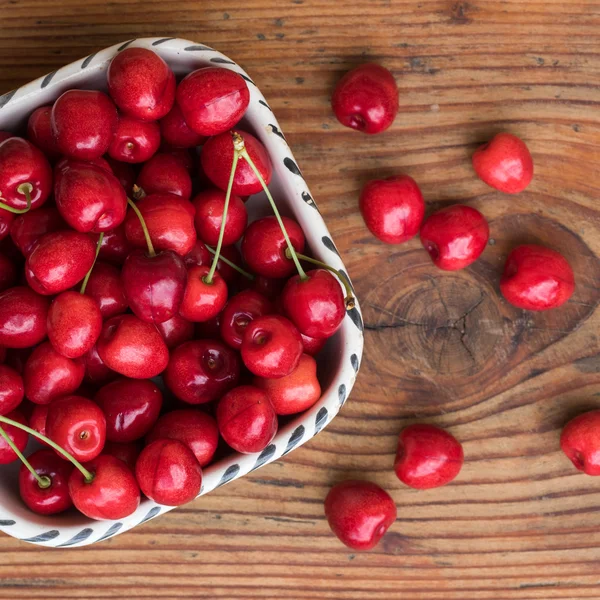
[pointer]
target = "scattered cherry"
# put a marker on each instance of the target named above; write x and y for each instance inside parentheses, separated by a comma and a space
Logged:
(580, 441)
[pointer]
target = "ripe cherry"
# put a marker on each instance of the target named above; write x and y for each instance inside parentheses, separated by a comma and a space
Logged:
(580, 441)
(17, 436)
(128, 453)
(37, 421)
(124, 172)
(6, 220)
(115, 247)
(96, 372)
(40, 134)
(209, 206)
(176, 331)
(165, 174)
(239, 312)
(28, 228)
(134, 141)
(11, 389)
(202, 300)
(105, 287)
(23, 316)
(176, 132)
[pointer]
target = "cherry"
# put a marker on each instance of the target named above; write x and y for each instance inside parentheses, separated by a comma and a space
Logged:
(312, 346)
(176, 132)
(123, 172)
(264, 246)
(6, 219)
(170, 222)
(239, 312)
(24, 171)
(101, 162)
(115, 247)
(37, 420)
(96, 372)
(154, 285)
(392, 208)
(141, 84)
(427, 457)
(359, 513)
(105, 287)
(271, 346)
(134, 141)
(201, 300)
(49, 375)
(83, 123)
(201, 371)
(366, 99)
(198, 256)
(504, 163)
(112, 494)
(132, 347)
(316, 304)
(165, 174)
(217, 160)
(580, 441)
(88, 197)
(209, 206)
(27, 229)
(212, 100)
(197, 430)
(40, 134)
(131, 407)
(18, 437)
(246, 419)
(11, 389)
(55, 471)
(295, 392)
(128, 453)
(22, 317)
(176, 331)
(537, 278)
(8, 273)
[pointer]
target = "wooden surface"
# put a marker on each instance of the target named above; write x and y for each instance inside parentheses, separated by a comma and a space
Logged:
(519, 523)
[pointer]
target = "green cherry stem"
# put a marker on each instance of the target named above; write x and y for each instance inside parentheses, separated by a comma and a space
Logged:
(43, 481)
(88, 476)
(25, 189)
(136, 210)
(87, 275)
(244, 154)
(231, 264)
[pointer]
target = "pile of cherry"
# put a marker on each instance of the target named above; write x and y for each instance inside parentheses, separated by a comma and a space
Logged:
(112, 274)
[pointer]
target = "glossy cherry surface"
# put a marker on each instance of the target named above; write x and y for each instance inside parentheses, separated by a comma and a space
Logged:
(128, 453)
(6, 220)
(96, 372)
(580, 441)
(124, 172)
(239, 312)
(201, 300)
(134, 141)
(12, 389)
(40, 134)
(115, 247)
(176, 132)
(23, 315)
(37, 420)
(28, 228)
(17, 436)
(209, 206)
(312, 346)
(176, 331)
(105, 287)
(165, 174)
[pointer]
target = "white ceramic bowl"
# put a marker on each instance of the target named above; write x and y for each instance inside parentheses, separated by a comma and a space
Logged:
(341, 357)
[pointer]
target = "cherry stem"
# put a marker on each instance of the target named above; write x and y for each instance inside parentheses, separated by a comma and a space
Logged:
(36, 434)
(87, 275)
(349, 300)
(292, 250)
(25, 189)
(138, 192)
(136, 210)
(236, 156)
(231, 264)
(43, 481)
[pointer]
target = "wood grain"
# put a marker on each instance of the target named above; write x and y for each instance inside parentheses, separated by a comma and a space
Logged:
(519, 523)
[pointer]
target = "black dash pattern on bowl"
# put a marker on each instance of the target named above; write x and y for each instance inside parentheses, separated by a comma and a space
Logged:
(342, 394)
(151, 514)
(197, 48)
(6, 522)
(292, 166)
(111, 531)
(43, 537)
(265, 456)
(48, 79)
(123, 46)
(88, 60)
(295, 439)
(221, 61)
(247, 78)
(328, 243)
(354, 361)
(356, 318)
(309, 200)
(6, 98)
(229, 474)
(345, 275)
(161, 41)
(320, 420)
(83, 535)
(276, 131)
(265, 104)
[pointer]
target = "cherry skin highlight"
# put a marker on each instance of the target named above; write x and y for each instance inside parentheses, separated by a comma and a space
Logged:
(134, 141)
(239, 312)
(28, 228)
(23, 315)
(40, 134)
(209, 206)
(165, 174)
(201, 300)
(176, 132)
(176, 331)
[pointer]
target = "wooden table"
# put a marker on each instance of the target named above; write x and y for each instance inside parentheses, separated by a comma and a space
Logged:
(520, 522)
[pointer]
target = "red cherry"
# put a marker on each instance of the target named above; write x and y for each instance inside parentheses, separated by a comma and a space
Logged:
(580, 441)
(77, 425)
(246, 419)
(53, 499)
(209, 216)
(49, 375)
(164, 174)
(132, 347)
(134, 141)
(83, 123)
(128, 453)
(37, 421)
(198, 256)
(392, 208)
(427, 457)
(201, 371)
(11, 389)
(88, 197)
(176, 132)
(74, 324)
(21, 162)
(28, 228)
(312, 346)
(6, 219)
(359, 513)
(203, 301)
(170, 222)
(176, 331)
(65, 162)
(537, 278)
(296, 392)
(112, 494)
(239, 312)
(264, 246)
(315, 305)
(212, 100)
(154, 285)
(105, 287)
(271, 346)
(40, 134)
(8, 273)
(123, 172)
(197, 430)
(22, 317)
(96, 372)
(169, 473)
(504, 163)
(366, 99)
(131, 407)
(217, 160)
(115, 247)
(17, 436)
(141, 84)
